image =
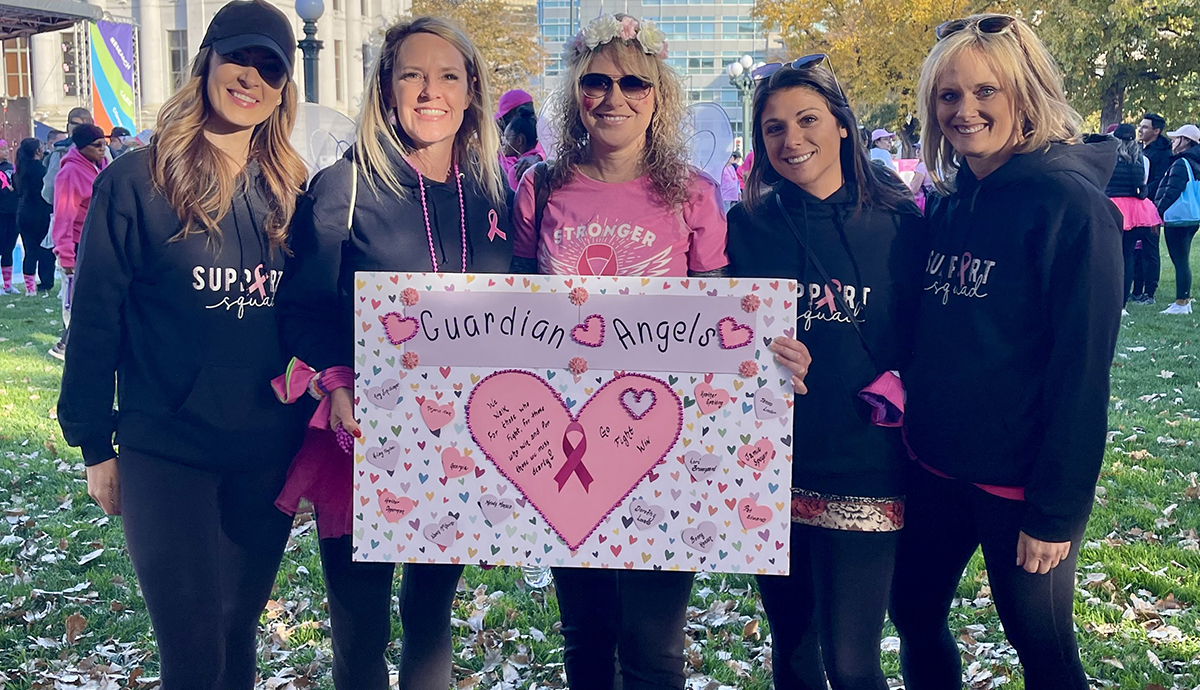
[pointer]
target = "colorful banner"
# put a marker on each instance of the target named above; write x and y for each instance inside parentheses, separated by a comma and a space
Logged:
(112, 75)
(573, 421)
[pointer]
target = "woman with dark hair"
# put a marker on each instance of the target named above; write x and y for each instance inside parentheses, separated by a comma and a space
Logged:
(818, 211)
(1185, 166)
(421, 191)
(180, 256)
(1008, 390)
(33, 218)
(520, 148)
(1127, 187)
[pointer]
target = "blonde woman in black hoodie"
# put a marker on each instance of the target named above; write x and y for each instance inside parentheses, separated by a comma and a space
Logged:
(845, 229)
(1015, 332)
(180, 256)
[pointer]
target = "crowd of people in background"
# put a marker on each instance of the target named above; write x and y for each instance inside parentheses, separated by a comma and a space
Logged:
(206, 275)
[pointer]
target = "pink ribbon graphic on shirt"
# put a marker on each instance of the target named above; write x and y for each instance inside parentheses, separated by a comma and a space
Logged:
(260, 279)
(574, 464)
(495, 228)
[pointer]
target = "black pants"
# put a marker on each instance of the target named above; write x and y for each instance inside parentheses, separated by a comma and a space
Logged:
(1147, 282)
(206, 547)
(945, 521)
(8, 238)
(360, 612)
(827, 616)
(626, 621)
(39, 261)
(1179, 246)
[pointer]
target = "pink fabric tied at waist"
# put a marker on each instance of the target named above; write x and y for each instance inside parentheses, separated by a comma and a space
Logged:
(321, 472)
(886, 396)
(1011, 493)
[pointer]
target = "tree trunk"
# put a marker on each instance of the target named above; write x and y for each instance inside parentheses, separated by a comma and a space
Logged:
(1112, 108)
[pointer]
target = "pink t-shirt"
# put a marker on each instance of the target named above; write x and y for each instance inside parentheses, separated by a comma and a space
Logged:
(597, 228)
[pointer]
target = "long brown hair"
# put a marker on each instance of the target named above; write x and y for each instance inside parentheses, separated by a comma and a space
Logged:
(475, 145)
(665, 157)
(190, 172)
(870, 183)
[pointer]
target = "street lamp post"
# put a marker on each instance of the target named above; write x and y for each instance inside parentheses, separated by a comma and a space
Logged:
(310, 11)
(740, 75)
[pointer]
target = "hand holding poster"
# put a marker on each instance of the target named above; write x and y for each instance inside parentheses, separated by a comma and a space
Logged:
(573, 421)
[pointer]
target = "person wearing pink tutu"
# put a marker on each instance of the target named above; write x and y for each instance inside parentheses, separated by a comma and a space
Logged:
(1127, 188)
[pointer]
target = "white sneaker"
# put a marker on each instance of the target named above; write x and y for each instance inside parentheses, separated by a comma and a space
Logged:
(1177, 308)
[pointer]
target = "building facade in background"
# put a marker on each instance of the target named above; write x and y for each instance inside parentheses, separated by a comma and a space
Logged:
(51, 68)
(703, 37)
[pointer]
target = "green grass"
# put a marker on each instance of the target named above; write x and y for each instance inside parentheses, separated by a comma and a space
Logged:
(62, 559)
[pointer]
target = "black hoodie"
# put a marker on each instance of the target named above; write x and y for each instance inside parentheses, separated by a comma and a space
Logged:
(1159, 153)
(870, 253)
(1176, 179)
(1016, 330)
(317, 294)
(187, 325)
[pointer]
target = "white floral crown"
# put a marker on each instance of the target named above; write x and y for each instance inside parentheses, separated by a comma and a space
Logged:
(608, 27)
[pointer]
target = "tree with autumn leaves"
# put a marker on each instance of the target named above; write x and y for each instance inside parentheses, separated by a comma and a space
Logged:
(1120, 57)
(505, 33)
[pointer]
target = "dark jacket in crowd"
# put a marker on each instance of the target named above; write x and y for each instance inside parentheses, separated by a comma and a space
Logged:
(29, 190)
(870, 253)
(8, 193)
(1128, 180)
(188, 326)
(1159, 153)
(388, 234)
(1176, 179)
(1016, 330)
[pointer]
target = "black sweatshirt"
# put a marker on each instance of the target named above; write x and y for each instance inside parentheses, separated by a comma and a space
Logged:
(1176, 179)
(871, 254)
(1159, 153)
(316, 297)
(187, 326)
(1016, 331)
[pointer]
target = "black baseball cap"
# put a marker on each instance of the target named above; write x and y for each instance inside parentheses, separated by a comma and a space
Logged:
(119, 132)
(249, 24)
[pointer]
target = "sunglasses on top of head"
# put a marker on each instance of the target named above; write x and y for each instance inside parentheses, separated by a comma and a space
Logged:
(596, 85)
(988, 24)
(799, 64)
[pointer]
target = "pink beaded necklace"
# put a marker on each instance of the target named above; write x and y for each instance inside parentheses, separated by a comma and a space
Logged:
(462, 215)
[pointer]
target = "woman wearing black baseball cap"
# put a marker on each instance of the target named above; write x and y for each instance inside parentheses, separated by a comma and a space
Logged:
(178, 265)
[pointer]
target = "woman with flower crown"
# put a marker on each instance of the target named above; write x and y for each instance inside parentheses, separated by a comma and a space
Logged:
(620, 112)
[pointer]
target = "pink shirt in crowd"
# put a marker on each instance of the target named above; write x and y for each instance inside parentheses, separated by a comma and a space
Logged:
(621, 229)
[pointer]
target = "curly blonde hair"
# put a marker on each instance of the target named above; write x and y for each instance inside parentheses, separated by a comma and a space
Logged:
(665, 157)
(1025, 68)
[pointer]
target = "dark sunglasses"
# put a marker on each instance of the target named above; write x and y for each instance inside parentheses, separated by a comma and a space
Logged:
(269, 67)
(599, 85)
(801, 63)
(988, 24)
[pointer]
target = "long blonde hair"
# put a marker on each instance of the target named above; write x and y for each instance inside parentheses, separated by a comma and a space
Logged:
(190, 172)
(1026, 70)
(665, 157)
(477, 142)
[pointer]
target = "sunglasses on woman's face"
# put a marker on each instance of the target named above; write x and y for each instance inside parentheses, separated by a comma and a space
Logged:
(801, 63)
(596, 85)
(990, 24)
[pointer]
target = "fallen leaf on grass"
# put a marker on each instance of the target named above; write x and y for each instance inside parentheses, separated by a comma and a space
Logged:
(75, 627)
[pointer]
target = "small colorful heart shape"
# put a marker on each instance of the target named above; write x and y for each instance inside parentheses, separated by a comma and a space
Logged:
(394, 507)
(589, 333)
(456, 464)
(752, 514)
(436, 416)
(757, 456)
(574, 469)
(733, 334)
(399, 328)
(384, 457)
(710, 399)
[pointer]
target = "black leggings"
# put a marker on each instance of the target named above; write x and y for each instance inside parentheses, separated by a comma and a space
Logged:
(945, 521)
(360, 612)
(8, 238)
(39, 261)
(205, 547)
(1179, 246)
(1150, 261)
(626, 621)
(827, 616)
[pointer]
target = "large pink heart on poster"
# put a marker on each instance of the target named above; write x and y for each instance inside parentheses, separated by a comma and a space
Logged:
(525, 428)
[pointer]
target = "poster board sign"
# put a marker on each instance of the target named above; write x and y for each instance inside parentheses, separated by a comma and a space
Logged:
(573, 421)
